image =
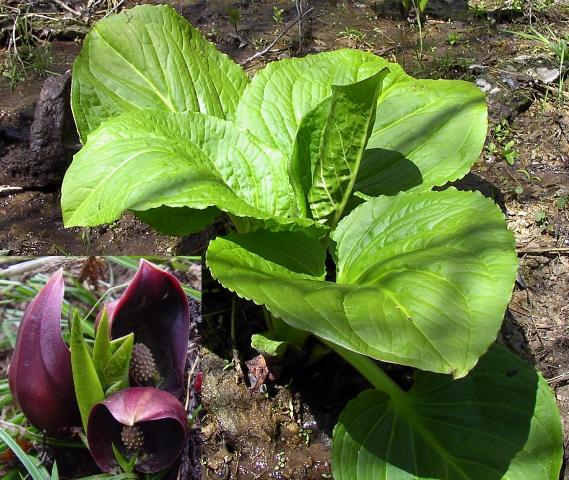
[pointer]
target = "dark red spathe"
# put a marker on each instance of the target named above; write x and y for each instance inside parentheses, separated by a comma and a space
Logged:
(160, 416)
(40, 375)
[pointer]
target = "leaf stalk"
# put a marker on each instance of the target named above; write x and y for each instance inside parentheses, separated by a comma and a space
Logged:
(371, 372)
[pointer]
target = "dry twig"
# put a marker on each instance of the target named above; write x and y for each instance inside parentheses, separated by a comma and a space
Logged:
(279, 36)
(540, 250)
(67, 8)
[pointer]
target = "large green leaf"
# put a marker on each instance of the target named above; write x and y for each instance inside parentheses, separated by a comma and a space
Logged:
(329, 147)
(145, 160)
(423, 280)
(426, 133)
(149, 57)
(500, 422)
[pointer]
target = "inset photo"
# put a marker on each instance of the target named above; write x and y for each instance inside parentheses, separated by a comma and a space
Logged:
(98, 367)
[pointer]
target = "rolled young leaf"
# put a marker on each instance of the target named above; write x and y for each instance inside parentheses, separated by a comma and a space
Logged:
(117, 371)
(88, 388)
(111, 359)
(329, 146)
(279, 96)
(40, 375)
(102, 348)
(422, 280)
(500, 422)
(155, 308)
(141, 421)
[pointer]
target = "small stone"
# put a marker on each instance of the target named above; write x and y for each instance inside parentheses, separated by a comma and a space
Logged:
(511, 82)
(483, 85)
(476, 68)
(545, 75)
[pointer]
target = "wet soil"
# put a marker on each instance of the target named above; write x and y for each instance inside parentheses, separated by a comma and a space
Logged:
(46, 234)
(252, 434)
(279, 427)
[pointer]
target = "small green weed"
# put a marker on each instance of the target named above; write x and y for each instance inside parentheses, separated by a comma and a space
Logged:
(305, 433)
(258, 43)
(448, 63)
(281, 461)
(354, 35)
(453, 38)
(478, 9)
(561, 202)
(278, 15)
(26, 53)
(544, 222)
(502, 144)
(234, 17)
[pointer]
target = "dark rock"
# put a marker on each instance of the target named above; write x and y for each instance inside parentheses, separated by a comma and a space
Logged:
(507, 95)
(52, 142)
(444, 9)
(16, 128)
(447, 9)
(389, 9)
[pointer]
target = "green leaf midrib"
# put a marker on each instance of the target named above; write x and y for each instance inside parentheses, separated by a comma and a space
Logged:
(322, 142)
(348, 192)
(409, 415)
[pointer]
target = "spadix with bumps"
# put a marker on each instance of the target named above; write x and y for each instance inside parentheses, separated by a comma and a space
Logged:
(143, 368)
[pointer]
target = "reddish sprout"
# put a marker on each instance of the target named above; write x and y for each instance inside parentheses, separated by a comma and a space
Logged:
(142, 421)
(40, 375)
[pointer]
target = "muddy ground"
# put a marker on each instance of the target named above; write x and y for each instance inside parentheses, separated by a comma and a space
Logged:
(268, 438)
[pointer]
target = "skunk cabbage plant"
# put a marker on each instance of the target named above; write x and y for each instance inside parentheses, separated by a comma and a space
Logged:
(331, 155)
(40, 375)
(155, 308)
(175, 131)
(141, 422)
